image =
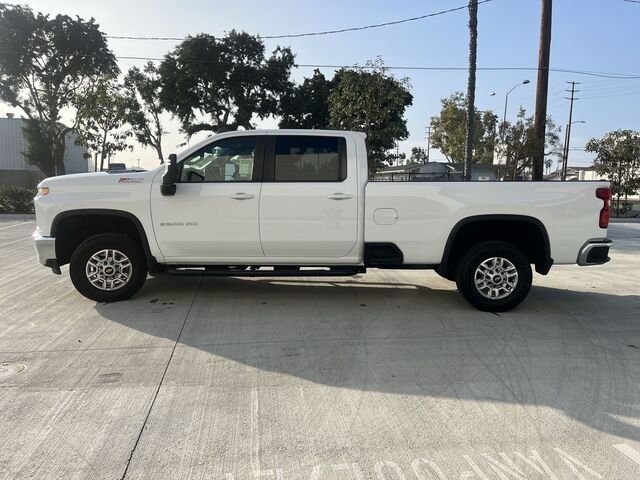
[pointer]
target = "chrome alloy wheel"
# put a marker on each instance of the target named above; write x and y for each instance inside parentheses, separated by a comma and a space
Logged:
(109, 269)
(496, 278)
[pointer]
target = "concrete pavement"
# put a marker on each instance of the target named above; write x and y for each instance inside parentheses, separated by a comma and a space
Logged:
(389, 375)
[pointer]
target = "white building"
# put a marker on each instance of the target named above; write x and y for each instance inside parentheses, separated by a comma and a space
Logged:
(580, 174)
(583, 174)
(436, 171)
(14, 170)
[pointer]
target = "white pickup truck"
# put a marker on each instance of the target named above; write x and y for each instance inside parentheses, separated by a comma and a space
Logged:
(298, 202)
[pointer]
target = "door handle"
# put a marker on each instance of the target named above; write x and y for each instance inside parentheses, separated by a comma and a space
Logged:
(241, 196)
(340, 196)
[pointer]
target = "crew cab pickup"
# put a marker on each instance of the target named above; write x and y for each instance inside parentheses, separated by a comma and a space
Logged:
(299, 202)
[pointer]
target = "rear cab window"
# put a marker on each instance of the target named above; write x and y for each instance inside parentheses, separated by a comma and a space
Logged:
(307, 158)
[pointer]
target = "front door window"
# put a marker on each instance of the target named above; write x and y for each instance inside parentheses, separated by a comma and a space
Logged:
(227, 160)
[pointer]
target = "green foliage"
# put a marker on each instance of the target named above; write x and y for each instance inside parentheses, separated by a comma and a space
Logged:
(307, 105)
(372, 101)
(16, 200)
(231, 82)
(450, 131)
(45, 65)
(618, 157)
(418, 156)
(101, 119)
(516, 143)
(144, 109)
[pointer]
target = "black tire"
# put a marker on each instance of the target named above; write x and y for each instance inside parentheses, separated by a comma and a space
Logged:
(121, 243)
(513, 295)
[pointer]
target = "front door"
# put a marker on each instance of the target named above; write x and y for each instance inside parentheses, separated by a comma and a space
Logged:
(213, 217)
(309, 199)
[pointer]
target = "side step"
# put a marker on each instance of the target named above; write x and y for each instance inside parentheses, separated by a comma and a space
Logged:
(263, 272)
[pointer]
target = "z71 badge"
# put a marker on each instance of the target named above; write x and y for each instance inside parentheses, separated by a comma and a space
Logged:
(129, 180)
(178, 224)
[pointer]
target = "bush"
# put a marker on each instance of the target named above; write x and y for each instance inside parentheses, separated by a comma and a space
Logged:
(626, 208)
(16, 200)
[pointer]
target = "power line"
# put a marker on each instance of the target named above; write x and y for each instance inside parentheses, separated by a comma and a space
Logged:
(626, 94)
(612, 75)
(619, 76)
(320, 33)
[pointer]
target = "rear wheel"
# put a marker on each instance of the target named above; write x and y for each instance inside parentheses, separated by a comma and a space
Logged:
(108, 267)
(494, 276)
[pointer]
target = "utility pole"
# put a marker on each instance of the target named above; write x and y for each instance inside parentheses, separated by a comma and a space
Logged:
(565, 155)
(471, 86)
(428, 132)
(542, 90)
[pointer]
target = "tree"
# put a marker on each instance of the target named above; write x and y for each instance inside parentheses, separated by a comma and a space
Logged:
(45, 66)
(372, 101)
(144, 109)
(307, 105)
(418, 156)
(618, 157)
(517, 143)
(102, 118)
(226, 80)
(449, 131)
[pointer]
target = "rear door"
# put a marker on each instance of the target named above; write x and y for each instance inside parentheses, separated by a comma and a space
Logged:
(308, 202)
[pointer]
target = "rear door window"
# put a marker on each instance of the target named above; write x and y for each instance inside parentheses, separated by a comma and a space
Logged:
(300, 158)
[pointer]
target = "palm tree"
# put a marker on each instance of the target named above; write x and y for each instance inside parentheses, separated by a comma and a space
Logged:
(471, 86)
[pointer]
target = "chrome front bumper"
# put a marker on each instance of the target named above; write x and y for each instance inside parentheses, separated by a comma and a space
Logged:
(46, 251)
(594, 252)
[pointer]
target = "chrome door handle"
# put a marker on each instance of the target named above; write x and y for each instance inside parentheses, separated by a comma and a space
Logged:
(340, 196)
(241, 196)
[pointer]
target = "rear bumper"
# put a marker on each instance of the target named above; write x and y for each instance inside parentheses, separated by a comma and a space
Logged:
(46, 251)
(594, 252)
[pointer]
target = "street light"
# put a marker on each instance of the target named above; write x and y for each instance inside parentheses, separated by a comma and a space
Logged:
(506, 98)
(565, 155)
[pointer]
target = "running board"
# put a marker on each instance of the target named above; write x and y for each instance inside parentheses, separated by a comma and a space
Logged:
(256, 272)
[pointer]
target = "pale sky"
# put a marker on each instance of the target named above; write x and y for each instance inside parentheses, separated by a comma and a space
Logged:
(588, 35)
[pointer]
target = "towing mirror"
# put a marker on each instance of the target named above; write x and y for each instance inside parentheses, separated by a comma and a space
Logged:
(169, 177)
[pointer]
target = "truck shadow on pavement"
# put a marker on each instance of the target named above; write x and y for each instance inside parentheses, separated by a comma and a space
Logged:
(574, 352)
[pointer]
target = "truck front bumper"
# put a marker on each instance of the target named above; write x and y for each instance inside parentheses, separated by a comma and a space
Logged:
(46, 251)
(594, 252)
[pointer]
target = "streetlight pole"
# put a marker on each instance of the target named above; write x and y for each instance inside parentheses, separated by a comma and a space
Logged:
(506, 99)
(504, 116)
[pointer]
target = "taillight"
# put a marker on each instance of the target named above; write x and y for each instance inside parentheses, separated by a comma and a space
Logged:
(604, 194)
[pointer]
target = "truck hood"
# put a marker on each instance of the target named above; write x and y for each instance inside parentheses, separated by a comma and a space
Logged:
(99, 178)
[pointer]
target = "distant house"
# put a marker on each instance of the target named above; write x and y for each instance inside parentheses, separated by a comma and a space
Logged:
(436, 171)
(575, 174)
(14, 170)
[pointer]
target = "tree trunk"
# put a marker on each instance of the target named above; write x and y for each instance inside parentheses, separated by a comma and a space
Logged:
(471, 85)
(59, 155)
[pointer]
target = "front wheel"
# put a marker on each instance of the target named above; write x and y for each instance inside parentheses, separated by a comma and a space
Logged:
(494, 276)
(108, 267)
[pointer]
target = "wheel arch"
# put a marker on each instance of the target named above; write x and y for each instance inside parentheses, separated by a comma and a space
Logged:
(93, 221)
(525, 232)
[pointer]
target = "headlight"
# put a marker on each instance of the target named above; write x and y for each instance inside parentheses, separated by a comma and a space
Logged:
(43, 190)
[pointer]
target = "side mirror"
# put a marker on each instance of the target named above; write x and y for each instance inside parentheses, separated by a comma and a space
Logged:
(169, 177)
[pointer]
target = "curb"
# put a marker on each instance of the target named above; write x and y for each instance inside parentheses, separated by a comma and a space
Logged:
(17, 216)
(625, 220)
